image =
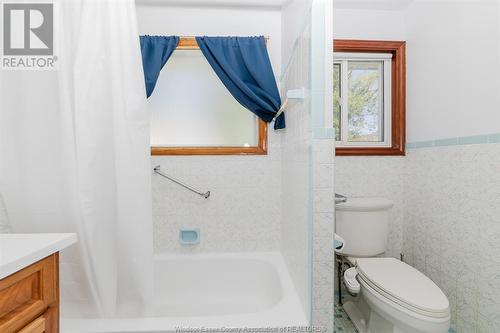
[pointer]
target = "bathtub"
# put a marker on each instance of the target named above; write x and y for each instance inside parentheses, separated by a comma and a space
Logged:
(193, 291)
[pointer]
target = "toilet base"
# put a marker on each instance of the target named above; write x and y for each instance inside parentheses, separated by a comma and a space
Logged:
(366, 320)
(356, 316)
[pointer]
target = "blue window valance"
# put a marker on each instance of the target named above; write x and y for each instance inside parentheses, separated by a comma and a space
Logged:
(155, 52)
(243, 66)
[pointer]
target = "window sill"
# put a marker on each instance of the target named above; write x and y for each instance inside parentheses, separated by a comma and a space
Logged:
(160, 151)
(370, 151)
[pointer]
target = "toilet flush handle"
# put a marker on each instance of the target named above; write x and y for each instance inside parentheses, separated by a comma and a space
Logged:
(339, 198)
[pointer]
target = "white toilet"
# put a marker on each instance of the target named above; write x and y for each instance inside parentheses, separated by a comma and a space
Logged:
(393, 296)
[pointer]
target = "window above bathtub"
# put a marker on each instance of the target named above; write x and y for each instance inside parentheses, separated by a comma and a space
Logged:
(369, 97)
(196, 115)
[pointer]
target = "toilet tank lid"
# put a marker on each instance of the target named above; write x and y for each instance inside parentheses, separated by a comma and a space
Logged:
(365, 204)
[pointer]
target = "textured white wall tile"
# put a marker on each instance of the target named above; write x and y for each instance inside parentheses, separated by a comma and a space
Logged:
(323, 272)
(323, 226)
(242, 213)
(446, 220)
(323, 318)
(322, 297)
(375, 176)
(324, 200)
(452, 200)
(323, 175)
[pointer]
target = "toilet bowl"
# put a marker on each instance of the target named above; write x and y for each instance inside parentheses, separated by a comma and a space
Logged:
(396, 298)
(393, 297)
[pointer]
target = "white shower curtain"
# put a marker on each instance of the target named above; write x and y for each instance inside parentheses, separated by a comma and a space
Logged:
(74, 156)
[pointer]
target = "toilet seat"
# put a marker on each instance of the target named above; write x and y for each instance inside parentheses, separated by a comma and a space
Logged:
(403, 286)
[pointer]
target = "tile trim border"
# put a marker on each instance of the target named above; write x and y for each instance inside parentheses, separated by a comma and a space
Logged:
(323, 133)
(457, 141)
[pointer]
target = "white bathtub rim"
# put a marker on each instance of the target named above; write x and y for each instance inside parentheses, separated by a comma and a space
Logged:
(288, 312)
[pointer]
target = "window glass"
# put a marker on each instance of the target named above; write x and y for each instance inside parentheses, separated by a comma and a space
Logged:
(365, 96)
(191, 107)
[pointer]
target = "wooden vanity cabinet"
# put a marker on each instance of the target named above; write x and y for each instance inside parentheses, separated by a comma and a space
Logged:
(29, 298)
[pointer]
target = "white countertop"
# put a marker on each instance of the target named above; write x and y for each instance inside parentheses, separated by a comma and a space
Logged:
(18, 251)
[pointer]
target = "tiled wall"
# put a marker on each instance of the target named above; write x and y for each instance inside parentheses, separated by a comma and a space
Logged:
(378, 176)
(242, 213)
(323, 228)
(447, 211)
(323, 206)
(452, 228)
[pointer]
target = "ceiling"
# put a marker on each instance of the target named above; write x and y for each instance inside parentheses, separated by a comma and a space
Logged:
(351, 4)
(215, 3)
(373, 4)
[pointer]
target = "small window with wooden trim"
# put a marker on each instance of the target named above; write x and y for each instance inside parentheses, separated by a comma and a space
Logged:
(369, 97)
(194, 114)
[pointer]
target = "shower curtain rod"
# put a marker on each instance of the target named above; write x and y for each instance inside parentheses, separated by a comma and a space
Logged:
(157, 170)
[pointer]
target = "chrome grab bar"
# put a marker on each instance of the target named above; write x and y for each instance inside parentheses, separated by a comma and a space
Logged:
(157, 170)
(339, 198)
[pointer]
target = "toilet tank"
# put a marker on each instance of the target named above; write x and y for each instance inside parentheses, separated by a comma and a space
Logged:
(363, 224)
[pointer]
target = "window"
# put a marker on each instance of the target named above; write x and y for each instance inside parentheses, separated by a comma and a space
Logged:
(362, 99)
(369, 97)
(213, 123)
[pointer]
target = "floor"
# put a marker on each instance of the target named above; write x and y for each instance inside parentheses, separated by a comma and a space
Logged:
(342, 323)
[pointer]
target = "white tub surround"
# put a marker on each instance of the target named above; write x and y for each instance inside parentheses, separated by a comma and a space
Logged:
(18, 251)
(212, 291)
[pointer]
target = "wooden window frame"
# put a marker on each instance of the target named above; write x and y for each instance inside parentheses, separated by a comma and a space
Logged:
(189, 43)
(398, 93)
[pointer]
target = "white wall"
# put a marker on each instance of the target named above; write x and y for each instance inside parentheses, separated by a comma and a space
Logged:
(380, 176)
(243, 212)
(368, 24)
(295, 13)
(453, 69)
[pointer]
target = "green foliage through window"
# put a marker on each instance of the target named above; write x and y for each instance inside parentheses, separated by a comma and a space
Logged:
(364, 105)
